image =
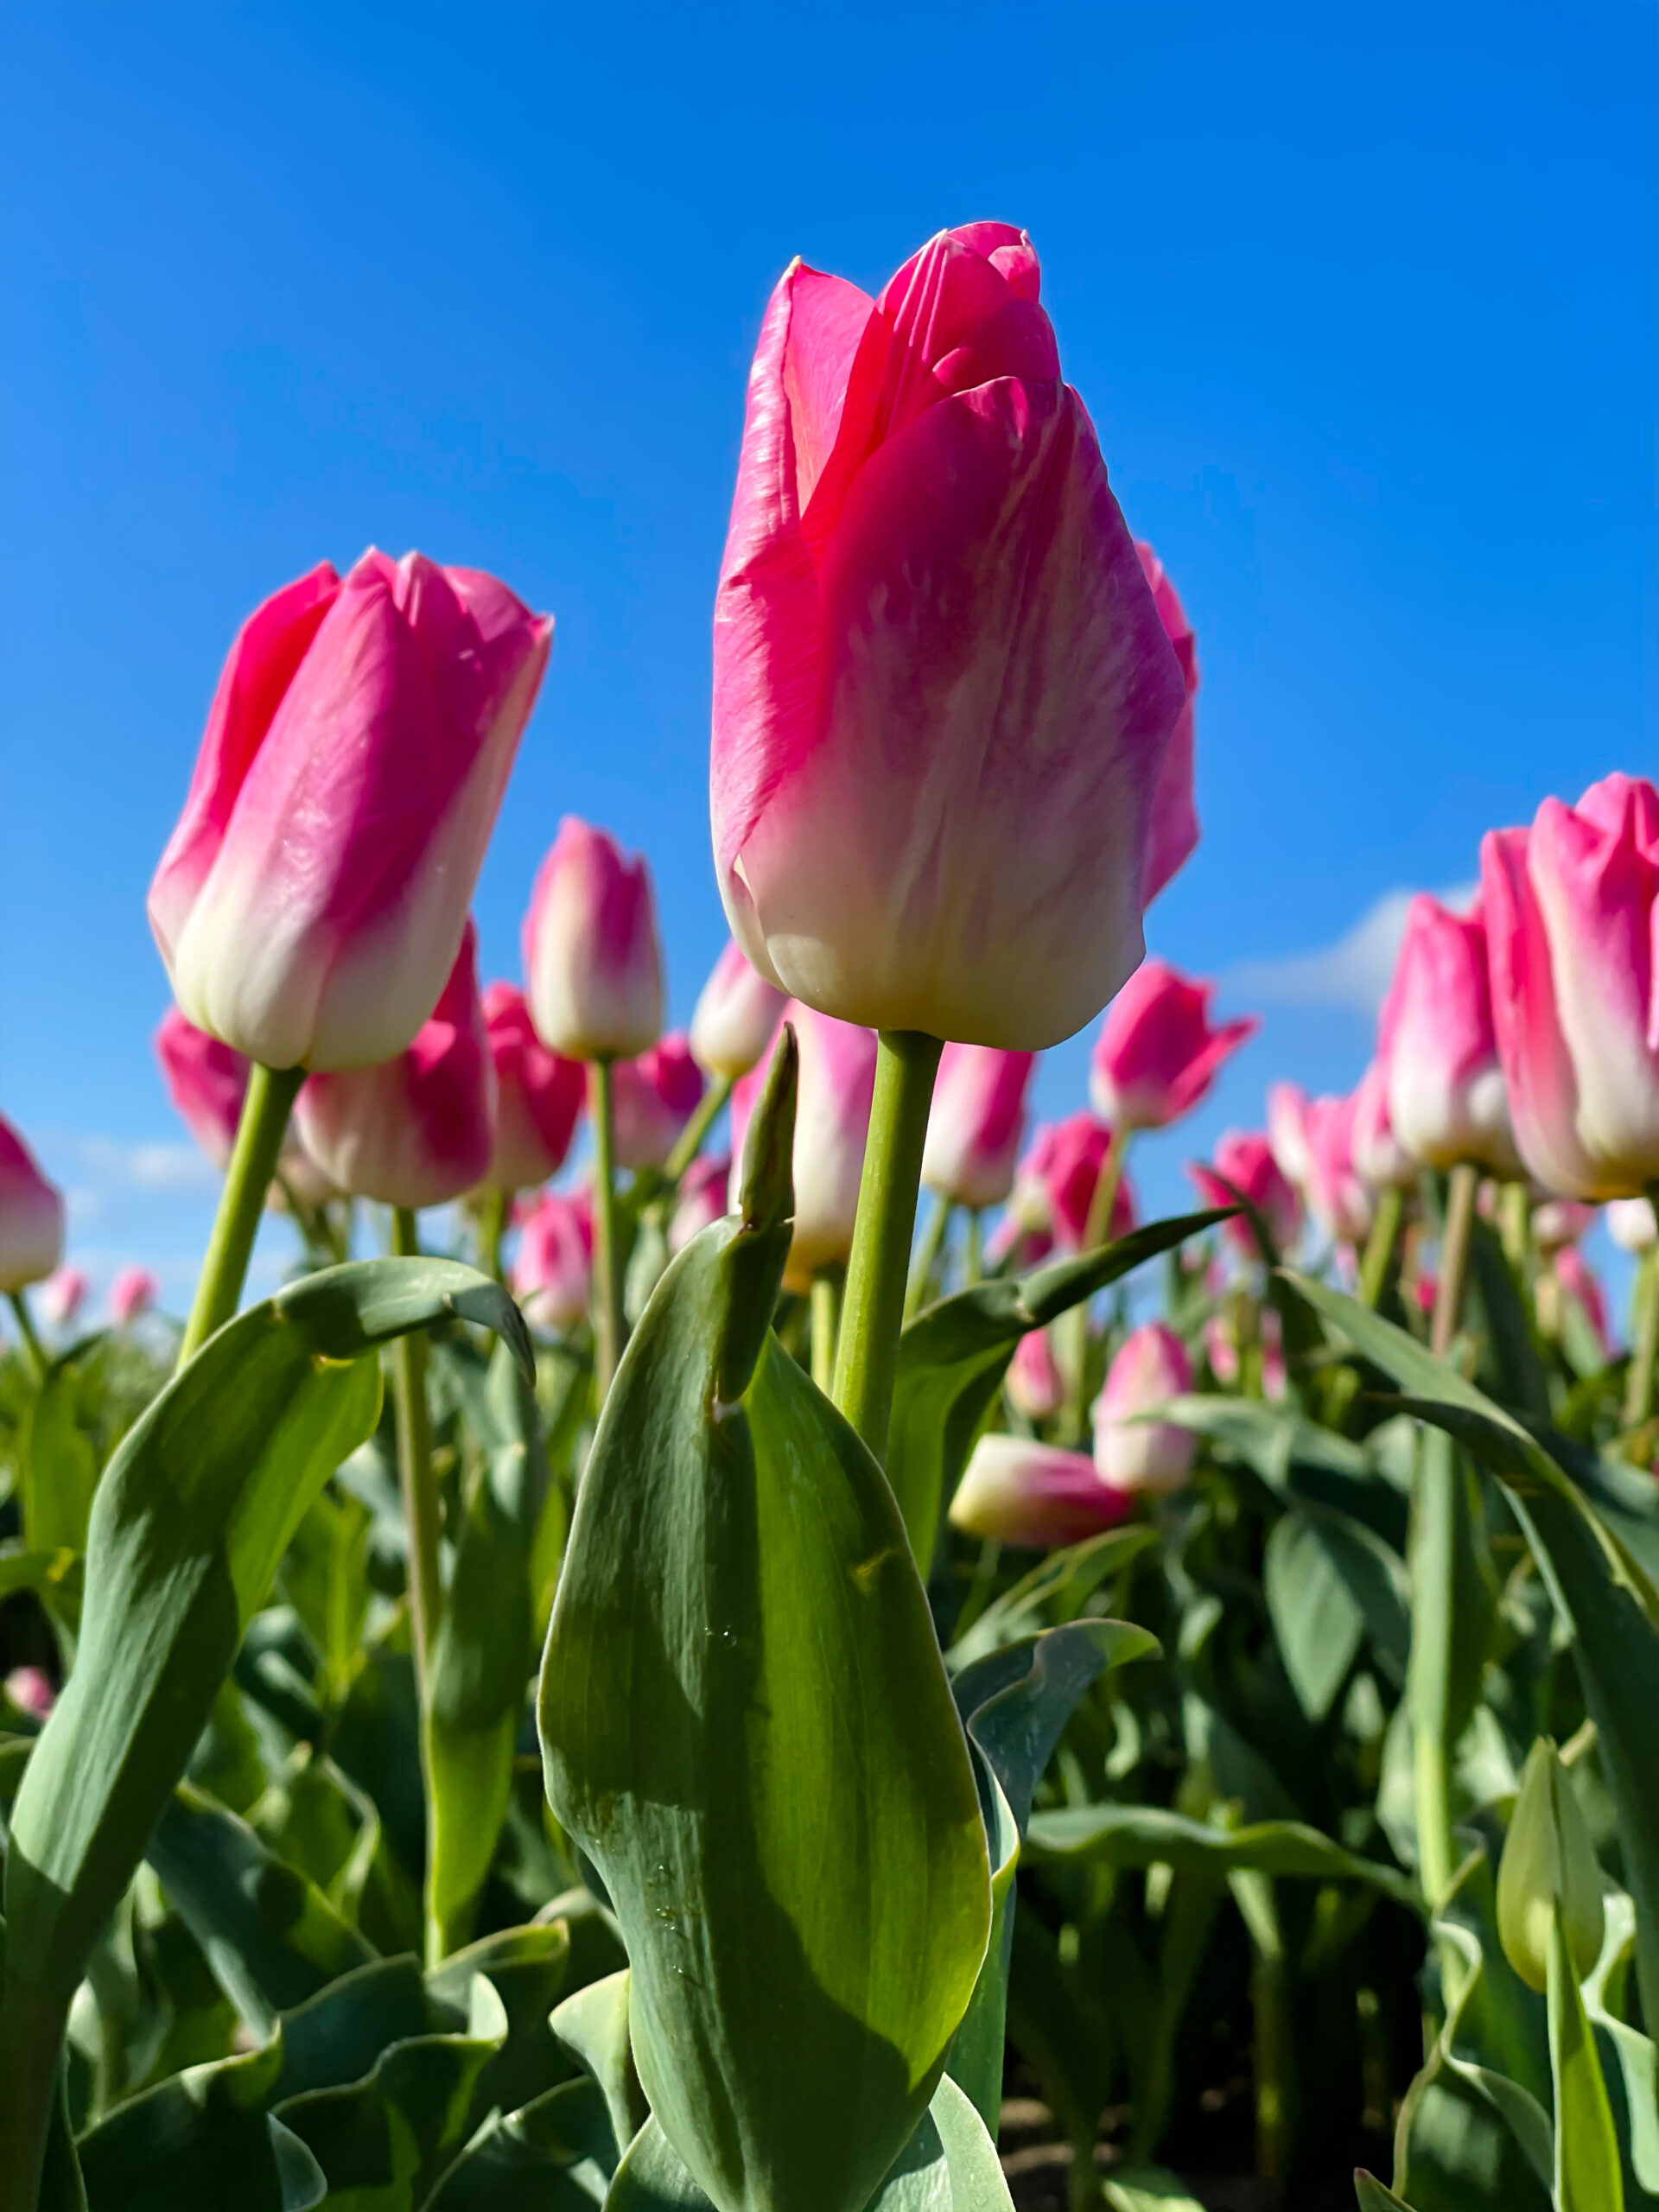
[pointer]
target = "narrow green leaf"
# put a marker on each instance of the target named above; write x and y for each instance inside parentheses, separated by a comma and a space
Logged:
(1373, 2197)
(593, 2026)
(1630, 2061)
(528, 1968)
(1589, 2175)
(58, 1466)
(1144, 1835)
(1317, 1620)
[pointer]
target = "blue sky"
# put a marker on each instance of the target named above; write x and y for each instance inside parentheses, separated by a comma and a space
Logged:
(1363, 300)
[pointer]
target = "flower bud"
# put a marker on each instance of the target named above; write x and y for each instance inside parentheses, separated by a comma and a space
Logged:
(133, 1291)
(1245, 1163)
(703, 1198)
(592, 958)
(1173, 833)
(1150, 1367)
(652, 1098)
(1289, 1108)
(62, 1295)
(1035, 1386)
(206, 1081)
(1033, 1494)
(1631, 1224)
(1054, 1188)
(832, 1122)
(1448, 1101)
(539, 1095)
(977, 1119)
(737, 1016)
(1548, 1860)
(1380, 1161)
(1336, 1199)
(553, 1274)
(1156, 1055)
(31, 1215)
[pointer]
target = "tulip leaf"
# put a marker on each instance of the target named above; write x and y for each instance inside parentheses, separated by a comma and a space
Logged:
(58, 1466)
(528, 1967)
(1600, 1595)
(1589, 2173)
(1630, 2061)
(552, 2154)
(1301, 1462)
(1146, 1835)
(1373, 2197)
(1326, 1580)
(1061, 1584)
(593, 2026)
(747, 1725)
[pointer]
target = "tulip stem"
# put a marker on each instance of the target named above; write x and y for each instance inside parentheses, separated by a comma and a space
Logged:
(873, 1312)
(1380, 1245)
(259, 1134)
(407, 1355)
(491, 1228)
(973, 1264)
(33, 1350)
(608, 1323)
(1096, 1227)
(689, 1141)
(1099, 1222)
(826, 1323)
(927, 1256)
(1645, 1347)
(1461, 1186)
(1515, 1225)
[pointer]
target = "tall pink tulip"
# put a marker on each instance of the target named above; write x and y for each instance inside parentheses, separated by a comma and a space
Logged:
(1336, 1197)
(311, 901)
(1578, 1280)
(63, 1294)
(1055, 1184)
(832, 1122)
(1245, 1162)
(539, 1095)
(1288, 1107)
(1174, 832)
(1380, 1161)
(735, 1017)
(553, 1274)
(31, 1215)
(592, 958)
(133, 1291)
(1035, 1386)
(655, 1096)
(1447, 1098)
(1150, 1366)
(1573, 928)
(1017, 1491)
(1156, 1055)
(419, 1131)
(978, 1120)
(943, 694)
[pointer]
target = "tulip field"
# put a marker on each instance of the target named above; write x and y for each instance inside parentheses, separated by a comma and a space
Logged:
(743, 1630)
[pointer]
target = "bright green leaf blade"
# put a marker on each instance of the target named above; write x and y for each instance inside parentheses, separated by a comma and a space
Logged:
(1630, 2062)
(1317, 1620)
(58, 1466)
(1373, 2197)
(1144, 1835)
(1148, 2189)
(1056, 1589)
(593, 2026)
(1589, 2173)
(554, 2154)
(528, 1968)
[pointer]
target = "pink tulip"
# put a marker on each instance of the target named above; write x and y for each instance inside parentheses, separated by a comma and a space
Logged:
(539, 1095)
(1035, 1386)
(311, 901)
(832, 1121)
(1631, 1224)
(30, 1690)
(1577, 1279)
(653, 1099)
(1221, 1349)
(592, 957)
(31, 1215)
(133, 1291)
(737, 1016)
(1150, 1367)
(977, 1119)
(1380, 1161)
(62, 1295)
(553, 1276)
(1055, 1184)
(419, 1131)
(702, 1200)
(1156, 1055)
(1288, 1107)
(1174, 832)
(1572, 926)
(205, 1080)
(943, 694)
(1446, 1099)
(1562, 1221)
(1336, 1197)
(1016, 1491)
(1246, 1162)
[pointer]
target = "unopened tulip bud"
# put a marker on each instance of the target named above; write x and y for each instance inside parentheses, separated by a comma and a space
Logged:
(1571, 1272)
(1156, 1055)
(539, 1095)
(312, 899)
(1631, 1224)
(1244, 1163)
(1562, 1221)
(1035, 1386)
(653, 1099)
(1336, 1197)
(1016, 1491)
(1380, 1161)
(1288, 1107)
(592, 960)
(1548, 1861)
(832, 1123)
(975, 1128)
(1055, 1184)
(702, 1200)
(419, 1131)
(62, 1295)
(552, 1277)
(1447, 1102)
(206, 1081)
(133, 1291)
(1149, 1368)
(737, 1016)
(31, 1215)
(30, 1690)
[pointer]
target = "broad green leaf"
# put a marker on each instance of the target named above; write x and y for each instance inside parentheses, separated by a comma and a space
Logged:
(593, 2026)
(1589, 2174)
(953, 1355)
(1602, 1598)
(554, 2154)
(1317, 1621)
(1299, 1461)
(325, 1578)
(748, 1726)
(55, 1575)
(1453, 1611)
(1148, 2189)
(58, 1465)
(1373, 2197)
(1145, 1835)
(1055, 1591)
(528, 1968)
(1629, 2063)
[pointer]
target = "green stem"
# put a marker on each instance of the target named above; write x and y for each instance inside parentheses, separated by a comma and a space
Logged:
(259, 1134)
(973, 1265)
(1461, 1186)
(927, 1255)
(688, 1143)
(826, 1322)
(1380, 1246)
(873, 1313)
(407, 1355)
(1644, 1348)
(1273, 2037)
(608, 1321)
(33, 1350)
(1075, 1324)
(491, 1228)
(1514, 1225)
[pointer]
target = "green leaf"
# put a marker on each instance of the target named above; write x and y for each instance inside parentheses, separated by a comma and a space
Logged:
(1326, 1580)
(201, 2138)
(55, 1575)
(554, 2154)
(1602, 1598)
(1148, 2189)
(1300, 1462)
(528, 1968)
(953, 1355)
(1145, 1835)
(1373, 2197)
(1589, 2175)
(58, 1465)
(1059, 1585)
(1629, 2061)
(593, 2026)
(747, 1725)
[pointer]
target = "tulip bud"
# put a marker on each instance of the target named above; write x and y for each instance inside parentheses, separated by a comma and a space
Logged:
(539, 1095)
(1244, 1163)
(832, 1122)
(592, 958)
(1548, 1861)
(30, 1690)
(1156, 1055)
(1336, 1197)
(1054, 1188)
(1446, 1097)
(1562, 1221)
(31, 1215)
(702, 1200)
(133, 1291)
(977, 1119)
(934, 648)
(1174, 831)
(737, 1016)
(1033, 1494)
(62, 1295)
(206, 1081)
(1035, 1386)
(1380, 1161)
(1631, 1224)
(1149, 1368)
(1572, 911)
(553, 1275)
(1288, 1107)
(652, 1098)
(311, 901)
(419, 1131)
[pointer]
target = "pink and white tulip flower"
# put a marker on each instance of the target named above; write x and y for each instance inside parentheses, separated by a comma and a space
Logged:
(1336, 1199)
(935, 648)
(703, 1198)
(832, 1123)
(1149, 1368)
(1631, 1224)
(1447, 1102)
(205, 1080)
(593, 959)
(539, 1095)
(30, 1690)
(1572, 930)
(1174, 833)
(62, 1295)
(1288, 1107)
(1034, 1384)
(1557, 1221)
(1016, 1491)
(1055, 1184)
(1156, 1055)
(311, 901)
(977, 1120)
(1380, 1161)
(737, 1016)
(419, 1131)
(133, 1291)
(31, 1215)
(1245, 1161)
(552, 1275)
(653, 1099)
(1578, 1280)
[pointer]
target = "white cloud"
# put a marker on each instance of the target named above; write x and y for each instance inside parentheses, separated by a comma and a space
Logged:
(1353, 973)
(146, 1166)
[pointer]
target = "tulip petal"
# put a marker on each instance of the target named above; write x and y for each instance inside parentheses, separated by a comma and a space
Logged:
(1525, 1020)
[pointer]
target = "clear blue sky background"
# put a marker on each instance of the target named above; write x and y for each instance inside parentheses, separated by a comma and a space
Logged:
(1361, 298)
